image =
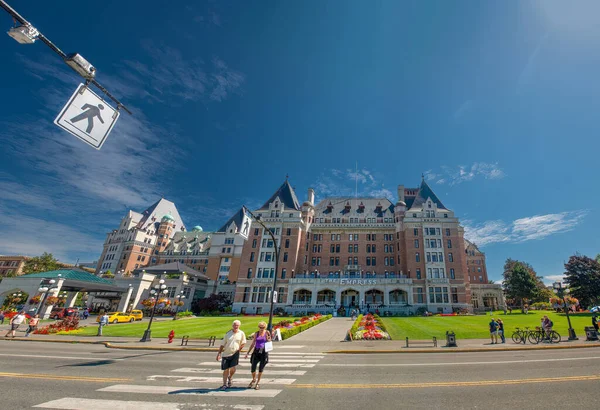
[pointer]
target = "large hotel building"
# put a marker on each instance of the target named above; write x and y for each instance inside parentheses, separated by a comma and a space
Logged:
(361, 252)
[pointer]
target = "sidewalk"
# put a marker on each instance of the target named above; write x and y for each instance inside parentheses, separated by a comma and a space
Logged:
(326, 337)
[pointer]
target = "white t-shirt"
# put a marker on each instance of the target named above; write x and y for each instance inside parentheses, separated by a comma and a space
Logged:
(232, 342)
(17, 320)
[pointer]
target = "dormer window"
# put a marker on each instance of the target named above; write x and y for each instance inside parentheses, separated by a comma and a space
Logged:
(330, 206)
(429, 204)
(361, 207)
(347, 207)
(378, 208)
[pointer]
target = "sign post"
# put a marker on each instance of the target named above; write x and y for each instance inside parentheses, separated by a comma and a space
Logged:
(88, 117)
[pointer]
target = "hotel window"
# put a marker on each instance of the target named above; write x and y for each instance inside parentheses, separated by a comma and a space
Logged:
(450, 257)
(449, 244)
(314, 248)
(249, 273)
(315, 237)
(441, 257)
(285, 256)
(434, 257)
(251, 256)
(350, 248)
(442, 275)
(288, 231)
(333, 237)
(420, 298)
(356, 248)
(314, 262)
(318, 261)
(368, 248)
(283, 273)
(246, 295)
(416, 243)
(355, 260)
(256, 232)
(262, 256)
(414, 215)
(337, 261)
(447, 231)
(254, 294)
(428, 256)
(386, 261)
(417, 257)
(454, 295)
(331, 261)
(254, 243)
(287, 243)
(349, 261)
(429, 274)
(445, 215)
(368, 261)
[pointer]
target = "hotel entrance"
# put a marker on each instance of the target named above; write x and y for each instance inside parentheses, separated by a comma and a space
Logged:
(350, 297)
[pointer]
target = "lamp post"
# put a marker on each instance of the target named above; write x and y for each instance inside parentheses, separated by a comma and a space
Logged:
(178, 298)
(14, 297)
(273, 292)
(159, 289)
(561, 294)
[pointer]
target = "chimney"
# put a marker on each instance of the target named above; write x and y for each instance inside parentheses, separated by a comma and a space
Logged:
(311, 196)
(401, 193)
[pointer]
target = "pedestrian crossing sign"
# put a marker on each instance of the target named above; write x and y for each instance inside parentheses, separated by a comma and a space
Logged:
(88, 117)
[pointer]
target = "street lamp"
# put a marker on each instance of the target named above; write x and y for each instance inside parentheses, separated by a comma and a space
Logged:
(561, 294)
(178, 298)
(275, 244)
(159, 289)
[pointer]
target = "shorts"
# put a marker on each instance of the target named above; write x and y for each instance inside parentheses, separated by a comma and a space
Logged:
(230, 361)
(259, 358)
(494, 333)
(14, 326)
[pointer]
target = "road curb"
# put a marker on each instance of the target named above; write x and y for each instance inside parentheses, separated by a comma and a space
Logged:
(111, 345)
(459, 350)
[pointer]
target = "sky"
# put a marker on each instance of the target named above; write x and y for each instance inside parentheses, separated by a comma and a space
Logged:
(495, 103)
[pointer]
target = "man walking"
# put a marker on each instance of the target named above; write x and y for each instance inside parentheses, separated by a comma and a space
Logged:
(15, 322)
(494, 332)
(101, 323)
(230, 348)
(501, 330)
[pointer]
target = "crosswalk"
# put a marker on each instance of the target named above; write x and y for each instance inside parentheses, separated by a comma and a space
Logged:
(203, 380)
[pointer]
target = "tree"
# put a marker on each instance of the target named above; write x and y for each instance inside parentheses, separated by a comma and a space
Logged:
(510, 264)
(491, 282)
(583, 276)
(43, 263)
(519, 284)
(544, 295)
(212, 303)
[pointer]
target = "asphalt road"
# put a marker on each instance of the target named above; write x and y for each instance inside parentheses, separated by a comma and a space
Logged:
(72, 376)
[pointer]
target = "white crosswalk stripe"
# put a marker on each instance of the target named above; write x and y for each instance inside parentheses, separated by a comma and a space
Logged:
(232, 392)
(214, 380)
(72, 403)
(203, 380)
(204, 370)
(244, 364)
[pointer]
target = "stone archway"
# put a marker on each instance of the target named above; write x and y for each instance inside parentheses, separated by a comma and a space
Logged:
(350, 298)
(325, 296)
(374, 297)
(302, 297)
(398, 297)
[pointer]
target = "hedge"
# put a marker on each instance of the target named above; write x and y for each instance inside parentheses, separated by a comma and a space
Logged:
(287, 333)
(356, 325)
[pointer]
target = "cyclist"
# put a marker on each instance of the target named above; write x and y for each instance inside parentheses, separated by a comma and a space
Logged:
(547, 326)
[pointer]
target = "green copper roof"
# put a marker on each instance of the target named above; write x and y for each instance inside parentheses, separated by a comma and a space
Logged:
(197, 228)
(69, 274)
(168, 217)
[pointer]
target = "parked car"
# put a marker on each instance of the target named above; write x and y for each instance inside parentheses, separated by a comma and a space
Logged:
(117, 317)
(61, 313)
(137, 314)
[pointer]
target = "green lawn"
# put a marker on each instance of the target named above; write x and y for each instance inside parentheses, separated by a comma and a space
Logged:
(476, 327)
(201, 328)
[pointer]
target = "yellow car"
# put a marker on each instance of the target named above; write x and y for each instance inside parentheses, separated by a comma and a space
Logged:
(117, 317)
(137, 314)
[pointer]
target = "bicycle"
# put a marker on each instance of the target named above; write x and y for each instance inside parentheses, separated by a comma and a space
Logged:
(520, 336)
(539, 335)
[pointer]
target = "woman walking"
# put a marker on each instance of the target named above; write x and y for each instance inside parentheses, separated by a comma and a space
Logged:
(259, 356)
(33, 323)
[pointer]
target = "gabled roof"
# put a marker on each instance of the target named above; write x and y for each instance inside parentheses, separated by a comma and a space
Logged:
(286, 195)
(154, 214)
(237, 218)
(347, 206)
(74, 274)
(173, 267)
(424, 193)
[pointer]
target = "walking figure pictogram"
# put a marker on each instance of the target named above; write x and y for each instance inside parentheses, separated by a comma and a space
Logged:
(91, 112)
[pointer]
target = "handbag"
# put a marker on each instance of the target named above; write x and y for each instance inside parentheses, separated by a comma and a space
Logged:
(268, 346)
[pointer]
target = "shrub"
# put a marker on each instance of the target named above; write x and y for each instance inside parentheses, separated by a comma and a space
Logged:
(187, 313)
(65, 325)
(356, 324)
(287, 333)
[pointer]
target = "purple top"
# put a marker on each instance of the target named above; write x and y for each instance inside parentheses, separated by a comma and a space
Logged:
(260, 341)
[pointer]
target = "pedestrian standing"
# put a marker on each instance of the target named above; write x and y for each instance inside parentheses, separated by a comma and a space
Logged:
(33, 324)
(260, 357)
(101, 323)
(501, 330)
(1, 317)
(230, 348)
(595, 322)
(15, 322)
(494, 331)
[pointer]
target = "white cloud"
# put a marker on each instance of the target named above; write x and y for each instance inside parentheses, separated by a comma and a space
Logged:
(550, 279)
(344, 184)
(463, 173)
(523, 229)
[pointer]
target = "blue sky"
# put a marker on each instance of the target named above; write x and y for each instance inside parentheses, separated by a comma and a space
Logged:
(496, 102)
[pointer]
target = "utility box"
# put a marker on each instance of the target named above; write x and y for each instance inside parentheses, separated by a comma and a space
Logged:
(450, 339)
(591, 333)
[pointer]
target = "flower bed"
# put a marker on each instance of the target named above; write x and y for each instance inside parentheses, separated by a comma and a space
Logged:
(65, 325)
(289, 328)
(369, 327)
